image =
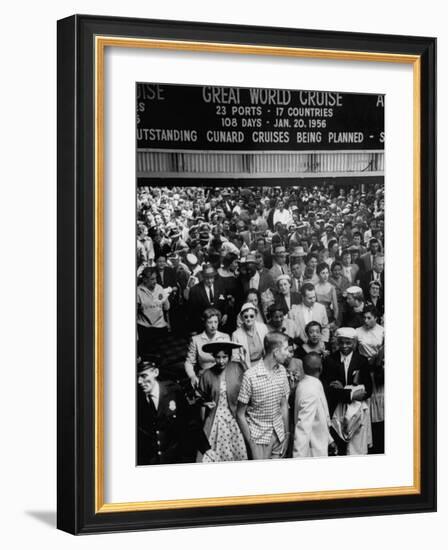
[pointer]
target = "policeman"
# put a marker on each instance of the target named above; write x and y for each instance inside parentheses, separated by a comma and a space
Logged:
(165, 428)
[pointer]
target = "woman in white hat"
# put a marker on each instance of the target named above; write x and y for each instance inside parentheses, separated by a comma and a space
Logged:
(251, 336)
(253, 297)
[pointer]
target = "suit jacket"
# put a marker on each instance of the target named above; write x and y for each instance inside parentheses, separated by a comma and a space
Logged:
(276, 270)
(240, 337)
(266, 281)
(249, 237)
(197, 360)
(319, 314)
(280, 299)
(312, 419)
(296, 284)
(358, 373)
(209, 383)
(198, 302)
(367, 278)
(169, 280)
(354, 274)
(169, 277)
(182, 275)
(163, 433)
(267, 258)
(365, 262)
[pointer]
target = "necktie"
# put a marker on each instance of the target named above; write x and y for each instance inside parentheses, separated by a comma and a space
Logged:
(152, 401)
(346, 365)
(210, 295)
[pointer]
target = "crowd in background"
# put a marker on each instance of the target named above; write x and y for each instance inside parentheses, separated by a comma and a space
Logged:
(273, 298)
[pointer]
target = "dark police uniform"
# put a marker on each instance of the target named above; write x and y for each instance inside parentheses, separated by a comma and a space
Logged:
(164, 434)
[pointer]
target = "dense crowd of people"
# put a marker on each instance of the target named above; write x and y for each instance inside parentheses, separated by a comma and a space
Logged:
(260, 322)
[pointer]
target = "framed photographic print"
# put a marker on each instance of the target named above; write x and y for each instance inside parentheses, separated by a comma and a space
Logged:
(231, 347)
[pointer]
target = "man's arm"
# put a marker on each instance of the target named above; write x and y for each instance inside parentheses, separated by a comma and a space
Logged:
(324, 323)
(366, 378)
(306, 412)
(190, 361)
(285, 414)
(334, 389)
(242, 421)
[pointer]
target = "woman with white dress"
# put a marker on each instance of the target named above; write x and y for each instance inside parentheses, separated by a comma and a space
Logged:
(251, 337)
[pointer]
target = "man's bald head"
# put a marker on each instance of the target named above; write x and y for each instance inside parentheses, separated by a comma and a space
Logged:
(312, 364)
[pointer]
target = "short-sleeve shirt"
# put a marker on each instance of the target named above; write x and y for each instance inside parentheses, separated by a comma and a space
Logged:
(150, 302)
(262, 391)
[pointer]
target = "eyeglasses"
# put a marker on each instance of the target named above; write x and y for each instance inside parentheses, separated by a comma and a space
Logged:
(249, 316)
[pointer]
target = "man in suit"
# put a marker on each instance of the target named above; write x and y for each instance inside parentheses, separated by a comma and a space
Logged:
(349, 270)
(365, 261)
(279, 265)
(297, 273)
(259, 277)
(166, 276)
(261, 246)
(346, 379)
(207, 293)
(164, 429)
(311, 415)
(375, 274)
(357, 241)
(309, 310)
(249, 235)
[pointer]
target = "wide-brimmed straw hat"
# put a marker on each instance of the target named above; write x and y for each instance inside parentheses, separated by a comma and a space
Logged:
(216, 347)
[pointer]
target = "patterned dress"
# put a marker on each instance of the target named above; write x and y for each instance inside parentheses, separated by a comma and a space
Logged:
(226, 439)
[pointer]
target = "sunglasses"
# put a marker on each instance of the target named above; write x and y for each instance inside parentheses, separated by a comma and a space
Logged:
(248, 316)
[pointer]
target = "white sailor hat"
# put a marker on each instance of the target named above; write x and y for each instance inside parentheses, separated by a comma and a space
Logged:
(346, 332)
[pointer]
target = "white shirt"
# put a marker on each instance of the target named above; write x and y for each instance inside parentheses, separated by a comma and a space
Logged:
(307, 314)
(347, 272)
(295, 284)
(209, 290)
(284, 217)
(152, 304)
(346, 360)
(255, 281)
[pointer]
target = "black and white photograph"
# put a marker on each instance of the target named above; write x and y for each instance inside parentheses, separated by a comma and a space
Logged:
(260, 273)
